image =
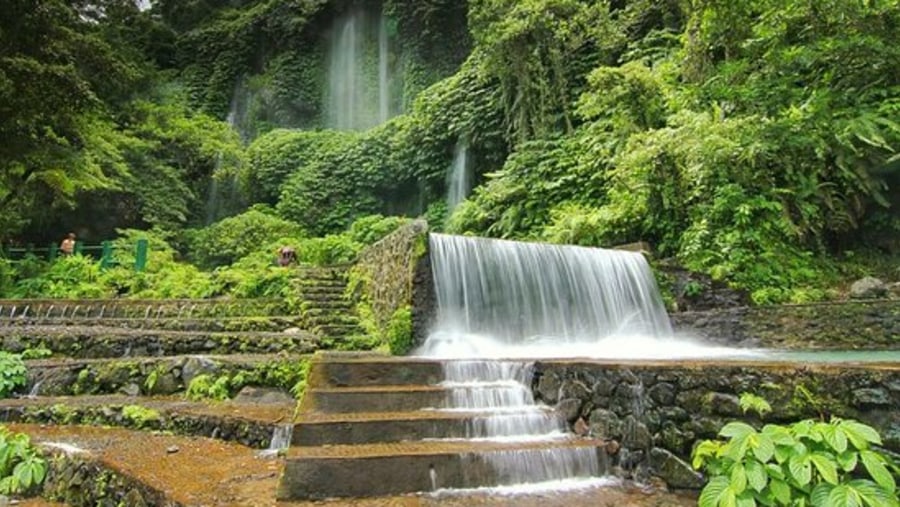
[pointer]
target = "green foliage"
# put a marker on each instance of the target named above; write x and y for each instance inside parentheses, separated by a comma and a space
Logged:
(232, 238)
(806, 463)
(12, 373)
(369, 229)
(21, 468)
(207, 387)
(399, 331)
(140, 416)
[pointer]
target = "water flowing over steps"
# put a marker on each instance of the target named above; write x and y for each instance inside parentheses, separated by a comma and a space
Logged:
(375, 426)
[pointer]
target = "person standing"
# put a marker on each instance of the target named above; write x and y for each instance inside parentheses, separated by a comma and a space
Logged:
(67, 247)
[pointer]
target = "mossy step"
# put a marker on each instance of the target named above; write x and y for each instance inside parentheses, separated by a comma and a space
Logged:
(337, 369)
(264, 323)
(151, 469)
(157, 375)
(104, 341)
(249, 423)
(410, 467)
(11, 309)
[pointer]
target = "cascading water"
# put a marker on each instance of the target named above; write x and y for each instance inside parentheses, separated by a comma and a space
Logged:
(458, 177)
(358, 95)
(504, 300)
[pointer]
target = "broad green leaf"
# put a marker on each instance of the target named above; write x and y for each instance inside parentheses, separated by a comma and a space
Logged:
(746, 499)
(826, 467)
(762, 446)
(848, 460)
(819, 495)
(774, 471)
(738, 478)
(874, 463)
(779, 434)
(736, 448)
(737, 429)
(713, 492)
(801, 469)
(859, 434)
(835, 437)
(781, 491)
(844, 496)
(705, 449)
(756, 475)
(873, 494)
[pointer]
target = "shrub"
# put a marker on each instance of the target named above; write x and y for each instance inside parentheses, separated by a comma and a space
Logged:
(12, 373)
(807, 463)
(20, 466)
(228, 240)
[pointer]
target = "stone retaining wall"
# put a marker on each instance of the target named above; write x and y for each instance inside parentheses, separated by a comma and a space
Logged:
(655, 412)
(871, 324)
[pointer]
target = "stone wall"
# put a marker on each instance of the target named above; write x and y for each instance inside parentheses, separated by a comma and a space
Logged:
(873, 324)
(395, 273)
(655, 412)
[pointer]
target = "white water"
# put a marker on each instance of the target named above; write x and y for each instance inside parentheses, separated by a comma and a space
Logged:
(358, 93)
(458, 177)
(498, 301)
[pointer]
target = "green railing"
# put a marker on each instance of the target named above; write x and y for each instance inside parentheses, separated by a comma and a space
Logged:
(103, 251)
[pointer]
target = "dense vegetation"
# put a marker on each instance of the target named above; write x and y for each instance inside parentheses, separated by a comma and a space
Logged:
(754, 141)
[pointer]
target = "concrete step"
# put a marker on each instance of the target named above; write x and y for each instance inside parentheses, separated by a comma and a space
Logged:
(398, 398)
(376, 427)
(400, 468)
(335, 369)
(275, 323)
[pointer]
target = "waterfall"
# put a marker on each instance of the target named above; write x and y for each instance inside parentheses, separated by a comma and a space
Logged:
(498, 294)
(458, 177)
(358, 94)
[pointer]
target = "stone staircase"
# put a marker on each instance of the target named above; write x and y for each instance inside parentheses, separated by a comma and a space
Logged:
(373, 426)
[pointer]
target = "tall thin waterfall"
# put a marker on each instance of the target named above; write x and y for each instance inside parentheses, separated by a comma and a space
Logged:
(520, 293)
(458, 177)
(358, 95)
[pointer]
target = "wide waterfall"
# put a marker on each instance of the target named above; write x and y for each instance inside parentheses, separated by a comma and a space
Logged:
(358, 94)
(532, 297)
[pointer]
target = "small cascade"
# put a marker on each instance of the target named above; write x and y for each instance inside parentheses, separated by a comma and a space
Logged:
(75, 310)
(49, 312)
(458, 177)
(25, 311)
(102, 310)
(12, 311)
(281, 440)
(500, 389)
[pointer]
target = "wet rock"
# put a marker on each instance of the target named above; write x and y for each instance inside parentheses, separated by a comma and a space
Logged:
(581, 427)
(673, 470)
(166, 383)
(612, 447)
(724, 404)
(868, 397)
(662, 393)
(605, 424)
(263, 395)
(197, 365)
(548, 388)
(636, 435)
(131, 389)
(574, 389)
(569, 408)
(603, 387)
(868, 288)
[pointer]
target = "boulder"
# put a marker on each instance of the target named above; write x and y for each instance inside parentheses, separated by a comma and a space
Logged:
(868, 288)
(672, 469)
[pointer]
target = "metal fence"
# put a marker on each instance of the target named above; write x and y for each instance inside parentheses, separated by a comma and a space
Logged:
(104, 252)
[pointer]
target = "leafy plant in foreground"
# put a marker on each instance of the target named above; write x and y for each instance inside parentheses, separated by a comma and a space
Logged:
(20, 466)
(806, 463)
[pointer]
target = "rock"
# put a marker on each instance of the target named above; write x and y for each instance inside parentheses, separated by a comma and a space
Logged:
(263, 395)
(605, 424)
(197, 365)
(674, 470)
(131, 389)
(612, 447)
(636, 435)
(724, 404)
(166, 383)
(292, 330)
(868, 397)
(574, 389)
(662, 393)
(569, 408)
(581, 427)
(868, 288)
(548, 388)
(172, 449)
